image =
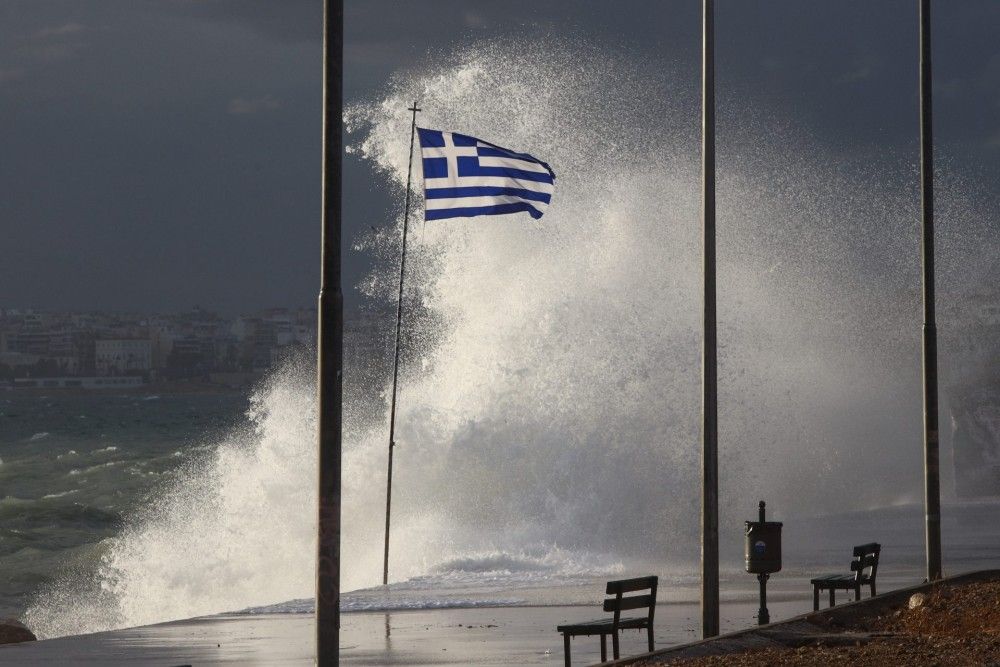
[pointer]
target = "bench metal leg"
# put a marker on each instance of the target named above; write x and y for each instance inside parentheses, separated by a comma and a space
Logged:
(815, 597)
(566, 647)
(649, 636)
(614, 644)
(604, 648)
(857, 592)
(873, 588)
(833, 596)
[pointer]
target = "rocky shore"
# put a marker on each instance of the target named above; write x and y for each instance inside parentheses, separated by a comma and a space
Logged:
(954, 622)
(14, 632)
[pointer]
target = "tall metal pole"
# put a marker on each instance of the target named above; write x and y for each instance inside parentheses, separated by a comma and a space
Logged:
(330, 351)
(395, 362)
(710, 422)
(932, 467)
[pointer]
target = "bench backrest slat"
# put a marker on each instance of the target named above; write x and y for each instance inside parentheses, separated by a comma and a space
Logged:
(633, 602)
(864, 562)
(631, 585)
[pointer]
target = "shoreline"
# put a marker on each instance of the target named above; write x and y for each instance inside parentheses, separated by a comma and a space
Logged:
(167, 388)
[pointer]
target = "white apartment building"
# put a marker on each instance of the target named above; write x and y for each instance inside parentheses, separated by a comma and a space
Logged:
(122, 356)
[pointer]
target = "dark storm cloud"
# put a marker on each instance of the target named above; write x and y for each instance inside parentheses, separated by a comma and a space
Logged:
(154, 160)
(161, 153)
(286, 20)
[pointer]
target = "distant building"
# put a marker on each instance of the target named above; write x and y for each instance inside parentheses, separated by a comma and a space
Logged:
(192, 345)
(190, 357)
(18, 359)
(123, 356)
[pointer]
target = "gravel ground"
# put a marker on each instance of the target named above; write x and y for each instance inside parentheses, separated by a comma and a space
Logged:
(952, 626)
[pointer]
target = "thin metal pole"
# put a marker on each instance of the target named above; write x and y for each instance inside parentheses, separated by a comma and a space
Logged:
(710, 437)
(330, 351)
(395, 362)
(763, 617)
(932, 467)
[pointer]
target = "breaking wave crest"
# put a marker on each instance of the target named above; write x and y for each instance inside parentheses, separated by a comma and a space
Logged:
(234, 528)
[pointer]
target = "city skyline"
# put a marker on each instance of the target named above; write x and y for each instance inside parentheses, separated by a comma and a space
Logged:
(192, 345)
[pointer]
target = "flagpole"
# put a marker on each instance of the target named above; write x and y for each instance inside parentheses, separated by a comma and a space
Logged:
(932, 481)
(395, 363)
(330, 336)
(710, 443)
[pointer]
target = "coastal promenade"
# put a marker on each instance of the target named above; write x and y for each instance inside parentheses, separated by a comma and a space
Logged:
(479, 636)
(526, 636)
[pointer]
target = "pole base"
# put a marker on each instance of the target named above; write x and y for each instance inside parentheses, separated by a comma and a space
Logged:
(763, 617)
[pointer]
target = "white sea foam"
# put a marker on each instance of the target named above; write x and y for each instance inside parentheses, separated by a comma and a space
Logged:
(94, 468)
(50, 496)
(38, 436)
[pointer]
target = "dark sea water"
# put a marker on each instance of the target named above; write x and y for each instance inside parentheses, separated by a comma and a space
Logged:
(74, 465)
(143, 508)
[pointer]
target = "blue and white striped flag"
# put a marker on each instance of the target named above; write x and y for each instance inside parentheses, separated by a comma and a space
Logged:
(466, 177)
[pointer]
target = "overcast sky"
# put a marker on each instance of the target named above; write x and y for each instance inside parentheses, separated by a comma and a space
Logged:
(157, 154)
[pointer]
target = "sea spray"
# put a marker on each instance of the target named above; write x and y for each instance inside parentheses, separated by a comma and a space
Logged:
(557, 397)
(235, 527)
(563, 386)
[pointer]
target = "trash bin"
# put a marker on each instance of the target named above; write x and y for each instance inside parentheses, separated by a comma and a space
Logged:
(763, 545)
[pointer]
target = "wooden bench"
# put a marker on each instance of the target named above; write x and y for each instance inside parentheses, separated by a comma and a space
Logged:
(618, 604)
(864, 567)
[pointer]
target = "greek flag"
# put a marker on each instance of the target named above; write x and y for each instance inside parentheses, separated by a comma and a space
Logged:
(466, 177)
